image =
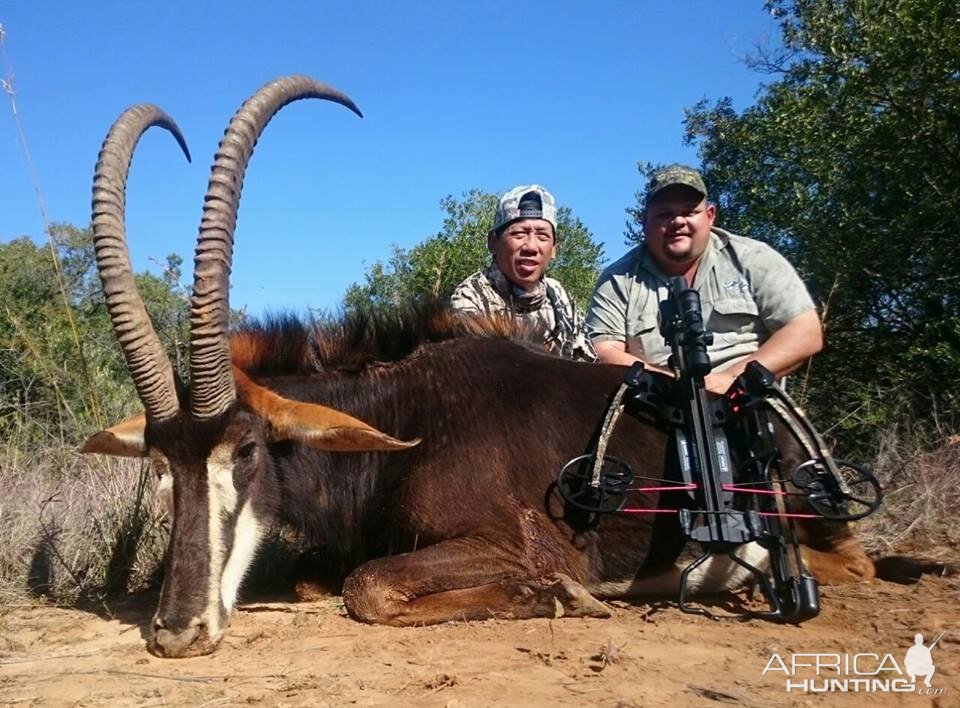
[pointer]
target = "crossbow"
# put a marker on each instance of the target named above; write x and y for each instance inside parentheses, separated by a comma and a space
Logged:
(731, 475)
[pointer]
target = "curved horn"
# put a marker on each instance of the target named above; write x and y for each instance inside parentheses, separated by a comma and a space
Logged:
(212, 386)
(146, 360)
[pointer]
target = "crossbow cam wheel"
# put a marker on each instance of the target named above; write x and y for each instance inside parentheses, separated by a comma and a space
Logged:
(575, 483)
(827, 496)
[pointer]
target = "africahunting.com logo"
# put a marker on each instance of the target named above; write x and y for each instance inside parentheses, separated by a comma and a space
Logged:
(859, 673)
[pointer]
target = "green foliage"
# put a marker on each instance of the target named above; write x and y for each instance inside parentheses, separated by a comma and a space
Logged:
(849, 164)
(634, 232)
(436, 266)
(61, 371)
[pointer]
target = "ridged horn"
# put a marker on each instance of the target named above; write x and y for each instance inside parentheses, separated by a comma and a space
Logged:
(212, 387)
(148, 363)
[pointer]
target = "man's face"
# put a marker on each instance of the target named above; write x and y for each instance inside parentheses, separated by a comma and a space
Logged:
(524, 250)
(677, 228)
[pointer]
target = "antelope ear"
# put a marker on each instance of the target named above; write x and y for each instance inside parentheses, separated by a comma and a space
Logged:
(121, 440)
(312, 424)
(328, 429)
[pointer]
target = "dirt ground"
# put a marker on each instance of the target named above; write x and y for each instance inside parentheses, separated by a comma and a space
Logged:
(313, 654)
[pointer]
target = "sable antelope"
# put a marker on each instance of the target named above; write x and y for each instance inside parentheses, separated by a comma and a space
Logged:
(454, 518)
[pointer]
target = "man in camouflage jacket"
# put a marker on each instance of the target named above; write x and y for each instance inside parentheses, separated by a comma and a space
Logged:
(523, 242)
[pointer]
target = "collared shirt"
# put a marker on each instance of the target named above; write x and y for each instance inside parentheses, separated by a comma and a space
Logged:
(551, 312)
(747, 292)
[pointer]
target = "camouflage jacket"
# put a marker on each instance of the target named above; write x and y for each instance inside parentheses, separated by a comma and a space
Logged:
(549, 310)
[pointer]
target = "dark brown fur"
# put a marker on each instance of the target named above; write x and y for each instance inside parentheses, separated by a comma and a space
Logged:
(468, 524)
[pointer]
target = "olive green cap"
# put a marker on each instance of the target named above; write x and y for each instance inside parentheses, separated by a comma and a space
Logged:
(672, 176)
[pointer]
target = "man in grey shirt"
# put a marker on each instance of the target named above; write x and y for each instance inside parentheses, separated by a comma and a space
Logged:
(753, 300)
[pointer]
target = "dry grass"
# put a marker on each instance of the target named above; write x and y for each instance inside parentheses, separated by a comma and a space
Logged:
(76, 527)
(921, 499)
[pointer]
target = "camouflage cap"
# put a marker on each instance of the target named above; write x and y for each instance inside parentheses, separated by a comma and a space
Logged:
(540, 204)
(671, 176)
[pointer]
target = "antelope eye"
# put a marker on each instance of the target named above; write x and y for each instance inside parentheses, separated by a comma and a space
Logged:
(246, 450)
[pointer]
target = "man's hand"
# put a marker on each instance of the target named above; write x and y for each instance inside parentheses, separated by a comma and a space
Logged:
(719, 381)
(784, 351)
(611, 352)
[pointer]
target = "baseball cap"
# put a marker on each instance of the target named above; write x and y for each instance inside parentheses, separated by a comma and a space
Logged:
(674, 175)
(528, 201)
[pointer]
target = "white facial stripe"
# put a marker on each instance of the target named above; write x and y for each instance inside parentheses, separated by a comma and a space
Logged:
(221, 501)
(246, 539)
(165, 491)
(716, 574)
(165, 488)
(220, 478)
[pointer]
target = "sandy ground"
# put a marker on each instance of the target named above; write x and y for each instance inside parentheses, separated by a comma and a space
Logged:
(313, 654)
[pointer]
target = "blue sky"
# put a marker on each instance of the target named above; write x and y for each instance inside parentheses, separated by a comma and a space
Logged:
(455, 95)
